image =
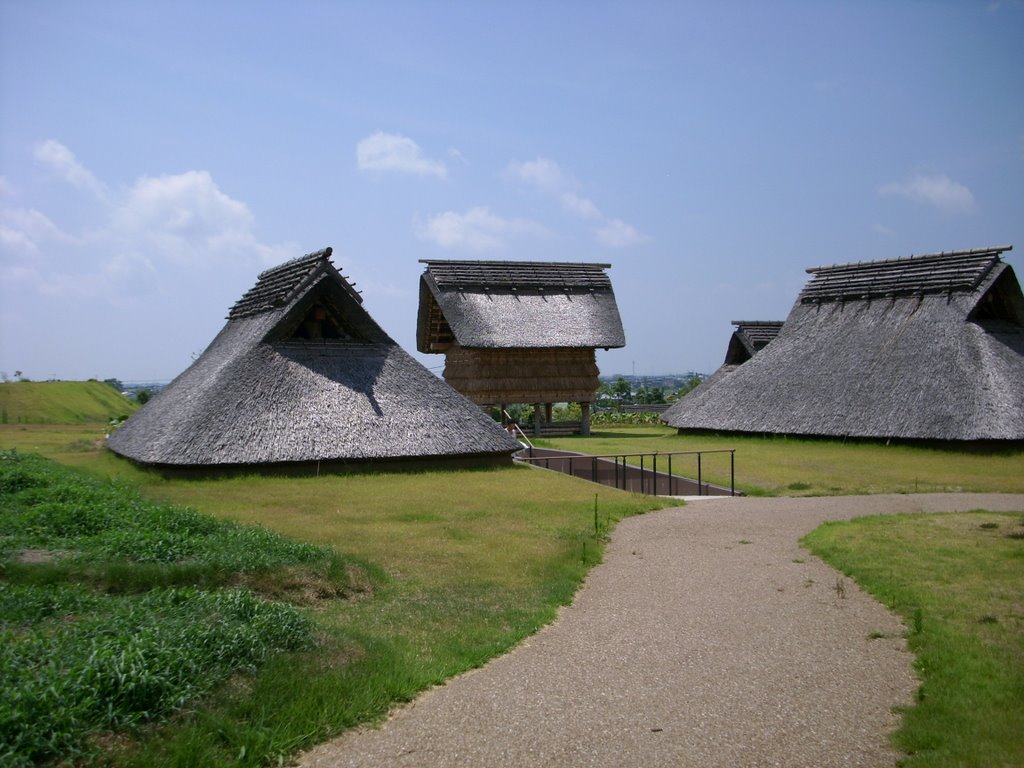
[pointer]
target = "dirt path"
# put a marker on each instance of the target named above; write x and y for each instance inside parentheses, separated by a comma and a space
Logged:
(706, 638)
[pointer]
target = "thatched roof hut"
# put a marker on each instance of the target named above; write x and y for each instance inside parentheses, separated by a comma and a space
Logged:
(921, 348)
(519, 331)
(302, 375)
(749, 338)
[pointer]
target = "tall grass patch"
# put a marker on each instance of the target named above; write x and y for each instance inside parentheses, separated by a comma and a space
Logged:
(957, 580)
(116, 611)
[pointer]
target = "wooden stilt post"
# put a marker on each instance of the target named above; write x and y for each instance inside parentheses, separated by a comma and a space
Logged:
(585, 419)
(538, 416)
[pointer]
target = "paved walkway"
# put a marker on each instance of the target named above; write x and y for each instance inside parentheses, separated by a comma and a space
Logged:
(706, 638)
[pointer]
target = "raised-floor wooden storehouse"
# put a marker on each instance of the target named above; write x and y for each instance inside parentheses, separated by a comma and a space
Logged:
(301, 377)
(921, 348)
(520, 331)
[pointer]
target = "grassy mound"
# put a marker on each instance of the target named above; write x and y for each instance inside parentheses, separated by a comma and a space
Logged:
(61, 402)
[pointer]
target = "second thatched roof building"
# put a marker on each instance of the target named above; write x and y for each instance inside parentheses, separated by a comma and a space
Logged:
(922, 348)
(519, 331)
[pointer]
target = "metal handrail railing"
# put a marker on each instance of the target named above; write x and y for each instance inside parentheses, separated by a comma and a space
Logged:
(517, 429)
(646, 481)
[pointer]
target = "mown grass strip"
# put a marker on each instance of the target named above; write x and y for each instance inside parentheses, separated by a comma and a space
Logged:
(787, 466)
(957, 581)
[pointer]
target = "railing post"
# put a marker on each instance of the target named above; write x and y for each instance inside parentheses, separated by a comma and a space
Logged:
(700, 484)
(732, 472)
(671, 477)
(654, 462)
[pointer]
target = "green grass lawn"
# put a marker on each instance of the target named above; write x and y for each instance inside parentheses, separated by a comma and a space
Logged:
(958, 582)
(782, 466)
(460, 566)
(463, 566)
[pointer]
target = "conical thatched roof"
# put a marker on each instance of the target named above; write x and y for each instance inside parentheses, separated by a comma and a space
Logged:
(517, 305)
(927, 347)
(301, 373)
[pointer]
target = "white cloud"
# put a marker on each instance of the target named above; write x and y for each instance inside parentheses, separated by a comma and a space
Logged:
(27, 229)
(393, 152)
(154, 227)
(63, 161)
(937, 190)
(16, 240)
(581, 206)
(6, 190)
(549, 177)
(187, 206)
(541, 172)
(476, 230)
(618, 234)
(454, 154)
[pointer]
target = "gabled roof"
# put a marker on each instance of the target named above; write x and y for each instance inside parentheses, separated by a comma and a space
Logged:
(749, 338)
(928, 347)
(517, 304)
(275, 286)
(301, 373)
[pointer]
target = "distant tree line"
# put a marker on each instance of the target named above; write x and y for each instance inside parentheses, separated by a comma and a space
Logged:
(621, 392)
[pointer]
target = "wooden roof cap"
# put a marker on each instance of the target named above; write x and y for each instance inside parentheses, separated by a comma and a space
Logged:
(914, 275)
(274, 286)
(536, 275)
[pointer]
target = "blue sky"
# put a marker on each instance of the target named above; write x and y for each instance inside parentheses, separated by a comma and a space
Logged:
(155, 157)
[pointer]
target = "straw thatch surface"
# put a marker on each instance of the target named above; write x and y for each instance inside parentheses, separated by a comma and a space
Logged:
(929, 347)
(518, 331)
(301, 373)
(508, 304)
